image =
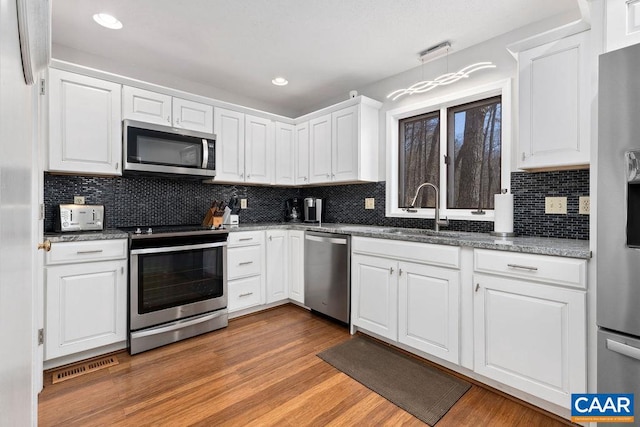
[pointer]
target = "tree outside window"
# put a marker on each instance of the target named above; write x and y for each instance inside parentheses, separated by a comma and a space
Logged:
(473, 146)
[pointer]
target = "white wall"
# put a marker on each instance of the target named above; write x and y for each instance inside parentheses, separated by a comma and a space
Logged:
(17, 332)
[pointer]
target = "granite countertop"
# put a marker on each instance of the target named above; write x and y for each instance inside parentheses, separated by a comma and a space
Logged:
(108, 234)
(531, 245)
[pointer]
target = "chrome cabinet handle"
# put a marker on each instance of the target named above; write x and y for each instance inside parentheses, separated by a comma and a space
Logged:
(245, 263)
(477, 286)
(245, 294)
(328, 175)
(117, 164)
(242, 175)
(96, 251)
(168, 119)
(270, 238)
(400, 272)
(245, 239)
(522, 267)
(390, 270)
(304, 178)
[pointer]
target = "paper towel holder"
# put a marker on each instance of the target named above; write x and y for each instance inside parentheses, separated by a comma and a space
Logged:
(503, 234)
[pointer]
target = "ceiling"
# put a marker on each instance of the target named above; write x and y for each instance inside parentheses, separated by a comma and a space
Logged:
(325, 48)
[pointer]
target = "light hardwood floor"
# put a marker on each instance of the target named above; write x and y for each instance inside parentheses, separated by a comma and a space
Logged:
(261, 370)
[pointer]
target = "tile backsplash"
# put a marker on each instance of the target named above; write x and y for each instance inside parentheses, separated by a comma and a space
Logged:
(134, 201)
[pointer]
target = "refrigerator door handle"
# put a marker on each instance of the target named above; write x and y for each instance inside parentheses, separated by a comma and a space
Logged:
(623, 349)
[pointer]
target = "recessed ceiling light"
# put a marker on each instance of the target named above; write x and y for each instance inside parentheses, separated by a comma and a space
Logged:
(280, 81)
(107, 21)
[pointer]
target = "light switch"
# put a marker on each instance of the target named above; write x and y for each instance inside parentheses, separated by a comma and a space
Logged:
(555, 205)
(370, 203)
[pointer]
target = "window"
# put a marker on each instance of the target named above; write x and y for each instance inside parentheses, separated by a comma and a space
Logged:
(457, 145)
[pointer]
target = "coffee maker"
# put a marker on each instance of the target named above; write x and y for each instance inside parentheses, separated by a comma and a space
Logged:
(313, 208)
(293, 211)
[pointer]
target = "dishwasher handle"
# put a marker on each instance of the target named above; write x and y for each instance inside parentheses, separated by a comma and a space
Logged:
(334, 240)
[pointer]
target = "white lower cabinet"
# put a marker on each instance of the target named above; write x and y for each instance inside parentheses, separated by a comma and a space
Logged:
(85, 301)
(530, 336)
(245, 270)
(296, 265)
(277, 259)
(428, 309)
(374, 295)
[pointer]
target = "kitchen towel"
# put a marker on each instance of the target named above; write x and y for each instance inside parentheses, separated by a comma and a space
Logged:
(503, 213)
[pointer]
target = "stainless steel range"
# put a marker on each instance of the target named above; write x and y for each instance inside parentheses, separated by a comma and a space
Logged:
(177, 284)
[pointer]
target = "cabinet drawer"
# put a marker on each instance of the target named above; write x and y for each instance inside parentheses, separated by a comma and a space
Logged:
(563, 271)
(91, 250)
(246, 238)
(244, 293)
(424, 253)
(244, 261)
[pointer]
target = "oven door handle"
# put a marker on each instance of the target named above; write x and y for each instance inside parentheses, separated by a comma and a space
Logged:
(178, 325)
(176, 248)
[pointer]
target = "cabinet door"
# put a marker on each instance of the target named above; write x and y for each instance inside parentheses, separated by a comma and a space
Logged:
(555, 89)
(146, 106)
(623, 24)
(229, 127)
(84, 124)
(374, 295)
(192, 115)
(86, 306)
(530, 336)
(302, 153)
(259, 151)
(320, 149)
(285, 154)
(296, 265)
(276, 253)
(429, 309)
(344, 144)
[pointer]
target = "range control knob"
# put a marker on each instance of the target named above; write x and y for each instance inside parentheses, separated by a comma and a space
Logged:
(138, 231)
(149, 230)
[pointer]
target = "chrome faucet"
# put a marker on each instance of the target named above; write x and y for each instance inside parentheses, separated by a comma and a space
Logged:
(438, 221)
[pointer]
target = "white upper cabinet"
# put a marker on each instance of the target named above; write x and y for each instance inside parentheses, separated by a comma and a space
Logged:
(302, 153)
(258, 150)
(192, 115)
(344, 144)
(622, 23)
(152, 107)
(555, 103)
(245, 147)
(146, 106)
(229, 127)
(84, 124)
(320, 149)
(285, 154)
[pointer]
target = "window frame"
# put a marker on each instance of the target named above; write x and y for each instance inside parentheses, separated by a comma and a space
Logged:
(442, 104)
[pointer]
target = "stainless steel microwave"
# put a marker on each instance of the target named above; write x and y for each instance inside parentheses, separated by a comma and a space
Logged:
(155, 149)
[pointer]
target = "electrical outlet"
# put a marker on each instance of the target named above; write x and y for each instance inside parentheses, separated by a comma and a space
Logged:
(78, 200)
(584, 205)
(555, 205)
(243, 203)
(369, 203)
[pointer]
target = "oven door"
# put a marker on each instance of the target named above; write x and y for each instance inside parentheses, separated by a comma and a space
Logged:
(176, 282)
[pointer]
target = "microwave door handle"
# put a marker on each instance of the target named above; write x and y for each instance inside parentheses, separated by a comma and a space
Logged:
(205, 153)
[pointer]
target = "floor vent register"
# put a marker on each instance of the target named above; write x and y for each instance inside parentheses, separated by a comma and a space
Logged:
(78, 369)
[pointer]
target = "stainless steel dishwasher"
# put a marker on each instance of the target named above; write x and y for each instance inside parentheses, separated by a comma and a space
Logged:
(327, 274)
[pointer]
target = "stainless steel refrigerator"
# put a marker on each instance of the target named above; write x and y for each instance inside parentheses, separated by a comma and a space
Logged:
(618, 235)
